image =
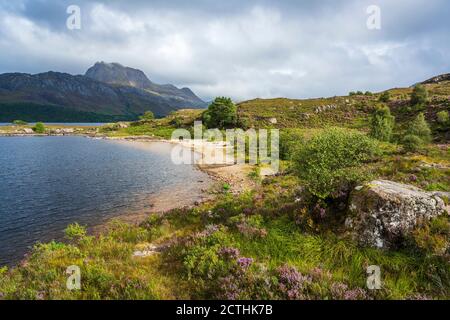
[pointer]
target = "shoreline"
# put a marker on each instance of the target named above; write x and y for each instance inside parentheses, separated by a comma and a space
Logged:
(163, 200)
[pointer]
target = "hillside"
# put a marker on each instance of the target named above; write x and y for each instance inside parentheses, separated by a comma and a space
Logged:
(97, 96)
(350, 111)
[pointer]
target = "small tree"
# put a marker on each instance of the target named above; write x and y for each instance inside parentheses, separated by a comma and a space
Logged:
(419, 127)
(39, 128)
(148, 115)
(385, 97)
(221, 113)
(382, 123)
(417, 134)
(419, 95)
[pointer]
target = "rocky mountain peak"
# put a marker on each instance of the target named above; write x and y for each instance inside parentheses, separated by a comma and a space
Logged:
(115, 73)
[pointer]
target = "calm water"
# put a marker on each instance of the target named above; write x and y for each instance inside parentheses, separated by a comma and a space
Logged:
(49, 182)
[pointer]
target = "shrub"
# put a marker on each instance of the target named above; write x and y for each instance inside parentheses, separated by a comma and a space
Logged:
(332, 158)
(419, 127)
(148, 115)
(412, 143)
(75, 231)
(289, 140)
(385, 97)
(382, 123)
(433, 237)
(39, 128)
(443, 117)
(419, 95)
(177, 122)
(20, 122)
(221, 113)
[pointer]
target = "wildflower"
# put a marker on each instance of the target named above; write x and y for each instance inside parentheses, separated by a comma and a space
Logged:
(232, 253)
(244, 263)
(292, 283)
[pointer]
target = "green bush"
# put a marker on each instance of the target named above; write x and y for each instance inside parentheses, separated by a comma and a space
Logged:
(385, 97)
(443, 117)
(382, 123)
(221, 113)
(419, 95)
(419, 127)
(412, 143)
(20, 123)
(75, 231)
(289, 140)
(39, 128)
(177, 122)
(333, 158)
(148, 115)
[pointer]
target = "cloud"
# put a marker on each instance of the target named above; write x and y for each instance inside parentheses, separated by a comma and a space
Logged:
(239, 49)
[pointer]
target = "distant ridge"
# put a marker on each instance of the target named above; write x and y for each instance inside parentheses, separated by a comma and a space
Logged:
(437, 79)
(107, 92)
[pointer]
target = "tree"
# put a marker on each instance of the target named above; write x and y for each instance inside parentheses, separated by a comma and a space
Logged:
(39, 128)
(419, 95)
(332, 159)
(417, 134)
(385, 97)
(382, 123)
(221, 113)
(148, 115)
(419, 127)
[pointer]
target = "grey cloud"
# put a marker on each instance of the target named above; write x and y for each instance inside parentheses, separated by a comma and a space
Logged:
(244, 49)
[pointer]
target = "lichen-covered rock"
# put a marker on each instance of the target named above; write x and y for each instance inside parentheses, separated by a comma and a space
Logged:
(383, 212)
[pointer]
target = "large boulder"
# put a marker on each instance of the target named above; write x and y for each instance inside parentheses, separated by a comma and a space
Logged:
(383, 212)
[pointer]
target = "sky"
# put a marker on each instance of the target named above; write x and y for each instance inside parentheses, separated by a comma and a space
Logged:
(241, 49)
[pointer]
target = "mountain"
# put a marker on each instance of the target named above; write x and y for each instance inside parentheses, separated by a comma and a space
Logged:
(107, 92)
(116, 74)
(437, 79)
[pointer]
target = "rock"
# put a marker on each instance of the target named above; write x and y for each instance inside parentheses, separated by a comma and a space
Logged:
(383, 212)
(27, 130)
(122, 125)
(67, 130)
(145, 250)
(273, 120)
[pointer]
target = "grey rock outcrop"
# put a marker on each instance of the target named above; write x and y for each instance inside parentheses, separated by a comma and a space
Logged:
(383, 212)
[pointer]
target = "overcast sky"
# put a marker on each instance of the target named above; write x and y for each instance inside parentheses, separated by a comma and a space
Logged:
(242, 49)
